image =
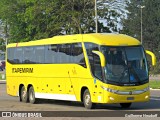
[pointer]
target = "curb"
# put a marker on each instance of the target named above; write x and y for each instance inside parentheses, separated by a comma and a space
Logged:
(2, 81)
(154, 89)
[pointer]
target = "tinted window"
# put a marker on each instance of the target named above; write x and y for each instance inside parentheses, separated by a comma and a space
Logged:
(77, 54)
(65, 53)
(29, 55)
(96, 68)
(56, 53)
(51, 54)
(18, 55)
(15, 55)
(10, 55)
(89, 47)
(39, 54)
(94, 60)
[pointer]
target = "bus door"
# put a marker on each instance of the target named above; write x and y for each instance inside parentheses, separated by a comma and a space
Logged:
(97, 73)
(76, 70)
(72, 69)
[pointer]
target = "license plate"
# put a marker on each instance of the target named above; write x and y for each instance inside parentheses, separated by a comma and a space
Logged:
(130, 98)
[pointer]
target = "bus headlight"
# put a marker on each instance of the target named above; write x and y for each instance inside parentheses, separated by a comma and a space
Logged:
(146, 89)
(134, 92)
(109, 90)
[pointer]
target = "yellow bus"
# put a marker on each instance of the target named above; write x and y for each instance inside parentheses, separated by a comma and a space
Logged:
(89, 68)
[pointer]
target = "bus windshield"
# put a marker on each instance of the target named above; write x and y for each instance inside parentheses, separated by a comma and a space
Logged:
(125, 65)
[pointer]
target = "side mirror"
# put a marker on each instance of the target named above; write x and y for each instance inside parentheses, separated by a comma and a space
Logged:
(152, 56)
(102, 58)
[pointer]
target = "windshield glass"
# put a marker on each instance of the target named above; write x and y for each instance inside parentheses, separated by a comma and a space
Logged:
(125, 65)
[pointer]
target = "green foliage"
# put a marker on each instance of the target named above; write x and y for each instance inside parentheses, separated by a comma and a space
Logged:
(2, 45)
(36, 19)
(131, 25)
(150, 24)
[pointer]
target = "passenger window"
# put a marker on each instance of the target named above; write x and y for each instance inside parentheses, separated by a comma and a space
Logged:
(65, 53)
(15, 55)
(51, 54)
(77, 54)
(39, 54)
(28, 55)
(18, 55)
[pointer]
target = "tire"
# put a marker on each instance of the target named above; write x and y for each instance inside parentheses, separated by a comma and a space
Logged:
(125, 105)
(87, 100)
(32, 98)
(23, 95)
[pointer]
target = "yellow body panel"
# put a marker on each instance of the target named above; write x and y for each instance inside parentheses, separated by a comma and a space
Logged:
(69, 79)
(99, 38)
(123, 98)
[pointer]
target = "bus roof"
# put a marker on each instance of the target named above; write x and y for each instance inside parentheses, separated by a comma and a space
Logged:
(110, 39)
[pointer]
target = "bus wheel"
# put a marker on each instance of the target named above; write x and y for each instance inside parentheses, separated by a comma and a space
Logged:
(125, 105)
(23, 95)
(87, 100)
(32, 98)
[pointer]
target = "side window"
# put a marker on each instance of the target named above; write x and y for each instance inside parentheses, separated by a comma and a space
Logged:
(65, 53)
(39, 54)
(51, 54)
(18, 55)
(89, 47)
(10, 55)
(29, 55)
(94, 60)
(78, 55)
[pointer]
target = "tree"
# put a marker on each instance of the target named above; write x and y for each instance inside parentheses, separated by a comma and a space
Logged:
(133, 20)
(151, 26)
(2, 45)
(112, 12)
(37, 19)
(78, 16)
(151, 23)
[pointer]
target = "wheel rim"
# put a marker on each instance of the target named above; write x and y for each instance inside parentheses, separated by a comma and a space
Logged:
(31, 96)
(23, 94)
(87, 99)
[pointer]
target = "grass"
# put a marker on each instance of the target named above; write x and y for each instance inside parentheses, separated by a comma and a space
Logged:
(155, 84)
